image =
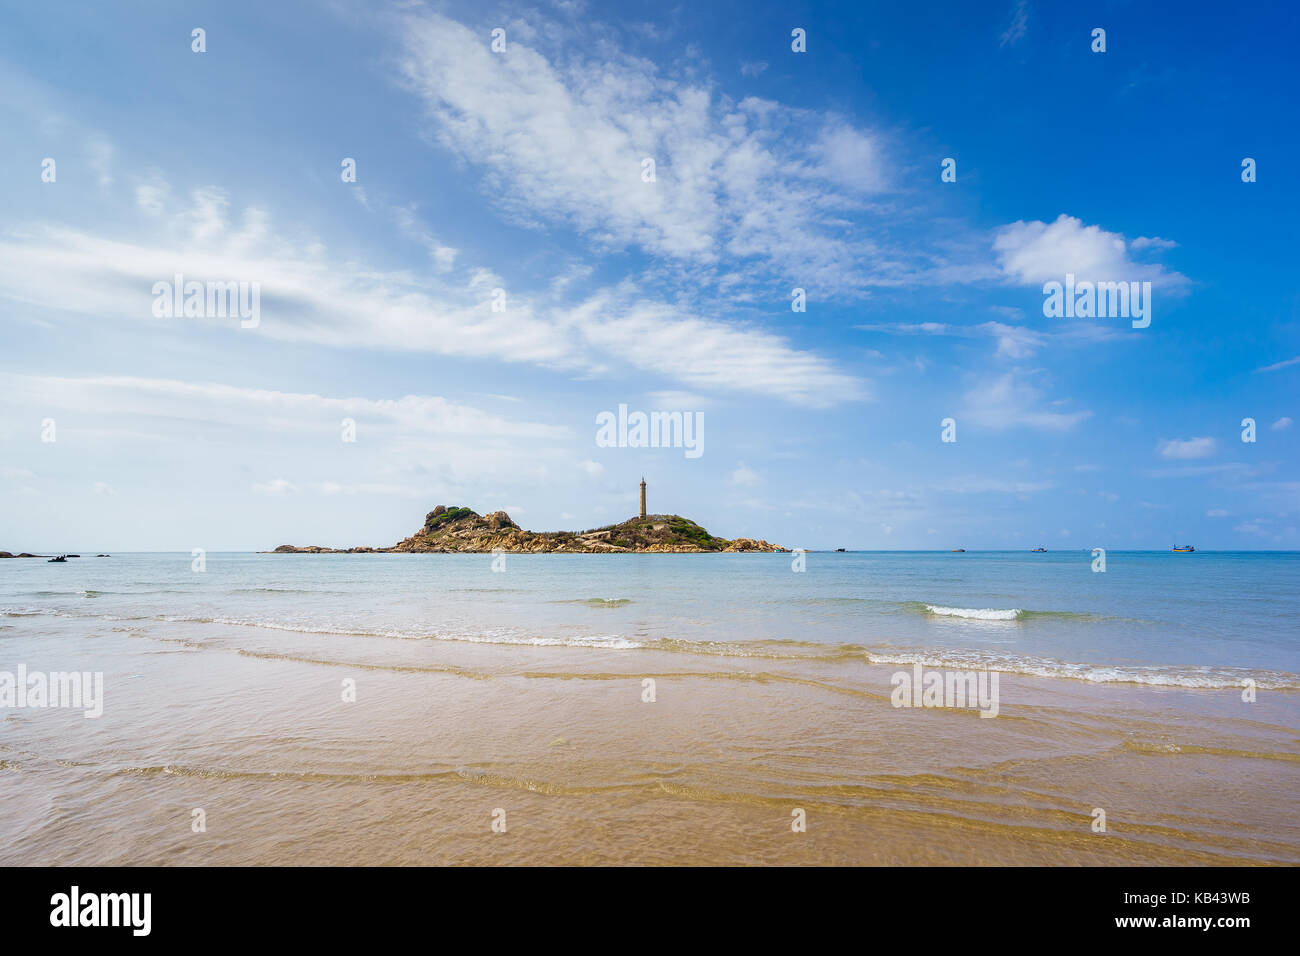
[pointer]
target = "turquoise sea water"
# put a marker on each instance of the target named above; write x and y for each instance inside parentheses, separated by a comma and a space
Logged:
(1203, 619)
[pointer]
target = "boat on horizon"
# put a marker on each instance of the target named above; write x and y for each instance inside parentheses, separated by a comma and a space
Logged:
(1185, 549)
(958, 550)
(1038, 550)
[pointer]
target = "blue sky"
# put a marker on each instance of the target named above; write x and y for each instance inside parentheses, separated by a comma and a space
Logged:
(522, 171)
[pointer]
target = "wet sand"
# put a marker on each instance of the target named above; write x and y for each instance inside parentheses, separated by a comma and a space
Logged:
(250, 726)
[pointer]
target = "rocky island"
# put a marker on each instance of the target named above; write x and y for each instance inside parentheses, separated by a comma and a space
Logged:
(462, 530)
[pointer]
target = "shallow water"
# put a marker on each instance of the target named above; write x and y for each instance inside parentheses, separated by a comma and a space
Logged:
(1197, 619)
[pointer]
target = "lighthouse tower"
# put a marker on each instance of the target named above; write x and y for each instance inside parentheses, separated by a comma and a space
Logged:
(643, 497)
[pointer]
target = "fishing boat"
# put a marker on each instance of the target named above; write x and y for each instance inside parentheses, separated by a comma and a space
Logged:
(839, 549)
(1038, 550)
(1185, 549)
(58, 560)
(958, 550)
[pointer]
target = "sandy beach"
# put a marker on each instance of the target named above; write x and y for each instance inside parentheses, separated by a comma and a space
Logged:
(249, 725)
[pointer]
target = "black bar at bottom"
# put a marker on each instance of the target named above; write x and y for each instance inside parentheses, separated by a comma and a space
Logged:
(946, 906)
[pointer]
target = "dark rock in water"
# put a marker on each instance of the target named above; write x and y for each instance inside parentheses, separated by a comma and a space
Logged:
(72, 555)
(103, 555)
(25, 554)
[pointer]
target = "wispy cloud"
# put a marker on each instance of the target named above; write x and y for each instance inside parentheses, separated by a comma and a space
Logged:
(1183, 449)
(1286, 363)
(564, 138)
(1010, 401)
(1019, 25)
(1013, 341)
(309, 298)
(219, 404)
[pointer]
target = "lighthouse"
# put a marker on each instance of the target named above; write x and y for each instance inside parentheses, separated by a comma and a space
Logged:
(643, 497)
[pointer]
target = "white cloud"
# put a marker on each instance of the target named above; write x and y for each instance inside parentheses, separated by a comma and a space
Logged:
(711, 355)
(441, 255)
(1014, 341)
(593, 469)
(102, 488)
(152, 196)
(1281, 424)
(563, 137)
(1217, 513)
(1036, 252)
(307, 297)
(744, 476)
(266, 408)
(209, 214)
(1010, 401)
(1183, 449)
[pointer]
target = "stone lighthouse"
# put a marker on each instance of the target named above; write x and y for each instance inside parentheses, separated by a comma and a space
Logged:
(643, 497)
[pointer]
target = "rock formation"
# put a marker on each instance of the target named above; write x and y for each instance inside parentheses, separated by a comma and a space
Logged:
(461, 530)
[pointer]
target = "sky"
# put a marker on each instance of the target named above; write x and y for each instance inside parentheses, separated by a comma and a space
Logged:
(615, 207)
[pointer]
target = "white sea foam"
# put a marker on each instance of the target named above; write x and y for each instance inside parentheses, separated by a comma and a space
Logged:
(975, 613)
(1199, 677)
(948, 658)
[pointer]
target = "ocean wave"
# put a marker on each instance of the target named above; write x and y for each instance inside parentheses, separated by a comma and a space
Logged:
(1214, 678)
(609, 642)
(996, 613)
(975, 613)
(1173, 676)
